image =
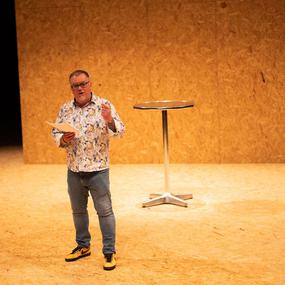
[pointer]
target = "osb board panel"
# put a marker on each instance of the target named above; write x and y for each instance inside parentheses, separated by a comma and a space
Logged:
(182, 66)
(212, 52)
(251, 81)
(112, 52)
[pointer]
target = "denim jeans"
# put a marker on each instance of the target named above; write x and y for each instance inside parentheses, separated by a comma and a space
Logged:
(97, 183)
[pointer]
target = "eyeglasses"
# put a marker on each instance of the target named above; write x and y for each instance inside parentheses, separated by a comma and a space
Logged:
(81, 84)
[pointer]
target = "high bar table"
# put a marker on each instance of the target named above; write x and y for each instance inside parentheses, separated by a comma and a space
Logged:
(167, 197)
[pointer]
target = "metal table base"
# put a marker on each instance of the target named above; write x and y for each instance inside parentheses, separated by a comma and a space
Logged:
(167, 197)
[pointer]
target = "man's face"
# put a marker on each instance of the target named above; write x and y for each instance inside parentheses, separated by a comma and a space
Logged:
(81, 88)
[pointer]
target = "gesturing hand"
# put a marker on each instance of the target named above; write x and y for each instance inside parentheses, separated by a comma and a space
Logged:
(106, 113)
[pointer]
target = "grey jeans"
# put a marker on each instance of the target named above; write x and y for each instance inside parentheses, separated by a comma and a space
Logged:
(97, 183)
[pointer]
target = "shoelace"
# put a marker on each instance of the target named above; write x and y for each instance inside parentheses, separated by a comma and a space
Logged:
(77, 248)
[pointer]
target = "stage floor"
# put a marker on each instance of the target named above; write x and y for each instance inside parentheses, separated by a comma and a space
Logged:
(231, 233)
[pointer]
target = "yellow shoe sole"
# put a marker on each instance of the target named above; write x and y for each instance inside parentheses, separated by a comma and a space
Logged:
(109, 268)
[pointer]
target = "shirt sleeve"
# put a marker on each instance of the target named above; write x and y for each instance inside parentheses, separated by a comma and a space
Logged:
(119, 125)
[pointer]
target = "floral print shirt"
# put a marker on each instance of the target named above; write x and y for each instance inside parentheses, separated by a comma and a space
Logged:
(88, 151)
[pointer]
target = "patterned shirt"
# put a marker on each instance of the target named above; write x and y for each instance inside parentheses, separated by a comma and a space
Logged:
(89, 150)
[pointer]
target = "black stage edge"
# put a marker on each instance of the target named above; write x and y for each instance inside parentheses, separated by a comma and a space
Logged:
(10, 114)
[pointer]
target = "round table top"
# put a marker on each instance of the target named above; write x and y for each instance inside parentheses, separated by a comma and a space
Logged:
(164, 105)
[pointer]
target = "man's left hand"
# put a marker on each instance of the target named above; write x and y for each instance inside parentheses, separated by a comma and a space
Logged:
(106, 113)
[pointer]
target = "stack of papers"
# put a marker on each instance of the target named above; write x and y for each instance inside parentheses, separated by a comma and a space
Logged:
(65, 128)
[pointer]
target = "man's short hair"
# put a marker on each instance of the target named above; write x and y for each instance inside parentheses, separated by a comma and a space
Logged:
(78, 72)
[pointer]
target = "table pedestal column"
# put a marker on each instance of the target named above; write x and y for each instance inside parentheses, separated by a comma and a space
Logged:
(167, 197)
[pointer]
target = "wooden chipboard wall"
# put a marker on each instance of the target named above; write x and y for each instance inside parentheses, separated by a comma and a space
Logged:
(227, 56)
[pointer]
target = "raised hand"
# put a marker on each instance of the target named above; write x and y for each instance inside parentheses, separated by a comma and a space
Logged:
(106, 113)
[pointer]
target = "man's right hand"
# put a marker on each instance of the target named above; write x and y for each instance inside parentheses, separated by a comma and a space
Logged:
(67, 138)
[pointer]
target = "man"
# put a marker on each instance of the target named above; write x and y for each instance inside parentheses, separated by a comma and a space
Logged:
(88, 163)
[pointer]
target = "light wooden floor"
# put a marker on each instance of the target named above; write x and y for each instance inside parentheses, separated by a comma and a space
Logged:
(233, 231)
